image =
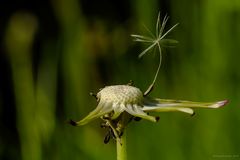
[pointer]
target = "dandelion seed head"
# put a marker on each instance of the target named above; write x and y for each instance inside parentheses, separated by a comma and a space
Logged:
(120, 94)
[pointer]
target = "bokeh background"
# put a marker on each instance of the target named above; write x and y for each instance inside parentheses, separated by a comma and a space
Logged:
(53, 53)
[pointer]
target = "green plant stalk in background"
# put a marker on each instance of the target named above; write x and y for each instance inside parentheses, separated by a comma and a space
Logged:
(19, 38)
(35, 101)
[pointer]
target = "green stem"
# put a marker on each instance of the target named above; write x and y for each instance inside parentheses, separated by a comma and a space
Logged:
(122, 147)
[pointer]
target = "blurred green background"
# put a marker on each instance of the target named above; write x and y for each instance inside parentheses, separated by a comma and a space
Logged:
(53, 53)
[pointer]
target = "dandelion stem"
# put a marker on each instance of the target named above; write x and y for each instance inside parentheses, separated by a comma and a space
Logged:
(121, 147)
